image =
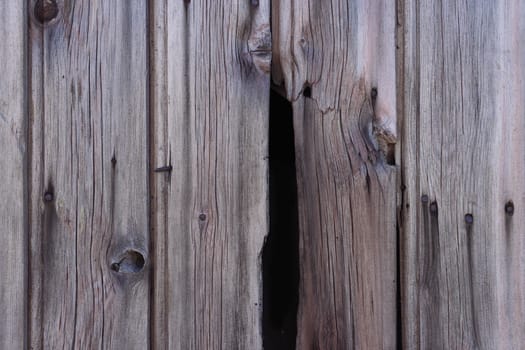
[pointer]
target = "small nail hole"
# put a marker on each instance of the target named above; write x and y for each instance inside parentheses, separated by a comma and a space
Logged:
(509, 208)
(373, 93)
(48, 196)
(433, 207)
(469, 219)
(202, 217)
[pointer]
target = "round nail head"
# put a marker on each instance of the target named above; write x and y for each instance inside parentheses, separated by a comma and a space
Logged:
(48, 197)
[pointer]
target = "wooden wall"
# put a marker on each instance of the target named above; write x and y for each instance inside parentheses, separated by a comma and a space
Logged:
(134, 164)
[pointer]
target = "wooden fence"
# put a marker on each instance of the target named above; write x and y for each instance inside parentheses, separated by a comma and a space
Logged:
(134, 140)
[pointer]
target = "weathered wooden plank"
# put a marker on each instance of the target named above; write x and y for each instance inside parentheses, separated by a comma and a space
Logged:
(209, 100)
(89, 212)
(463, 166)
(336, 60)
(13, 146)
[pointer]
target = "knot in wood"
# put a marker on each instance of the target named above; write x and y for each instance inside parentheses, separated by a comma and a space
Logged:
(46, 10)
(131, 261)
(260, 48)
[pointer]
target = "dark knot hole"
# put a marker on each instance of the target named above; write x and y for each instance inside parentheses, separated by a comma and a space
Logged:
(130, 262)
(46, 10)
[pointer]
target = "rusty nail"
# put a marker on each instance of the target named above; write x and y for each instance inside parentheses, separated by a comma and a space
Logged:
(162, 169)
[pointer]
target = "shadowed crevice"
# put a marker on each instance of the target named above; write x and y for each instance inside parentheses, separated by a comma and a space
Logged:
(281, 250)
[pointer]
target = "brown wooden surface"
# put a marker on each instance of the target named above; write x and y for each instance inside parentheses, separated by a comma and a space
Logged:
(88, 119)
(336, 53)
(210, 101)
(13, 185)
(462, 154)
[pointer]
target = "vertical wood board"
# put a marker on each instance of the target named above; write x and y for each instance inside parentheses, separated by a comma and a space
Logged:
(89, 212)
(13, 172)
(463, 166)
(336, 60)
(209, 102)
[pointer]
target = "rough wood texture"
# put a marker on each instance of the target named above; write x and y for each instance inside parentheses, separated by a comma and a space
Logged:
(13, 149)
(464, 136)
(89, 191)
(341, 56)
(209, 103)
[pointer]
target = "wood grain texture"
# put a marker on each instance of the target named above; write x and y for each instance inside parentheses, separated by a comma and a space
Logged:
(462, 154)
(336, 60)
(13, 146)
(89, 179)
(209, 102)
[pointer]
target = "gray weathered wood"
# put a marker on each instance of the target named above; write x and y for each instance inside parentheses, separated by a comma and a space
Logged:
(343, 52)
(464, 137)
(89, 122)
(13, 152)
(210, 100)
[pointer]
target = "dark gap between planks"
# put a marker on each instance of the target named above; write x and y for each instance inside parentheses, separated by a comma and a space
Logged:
(281, 250)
